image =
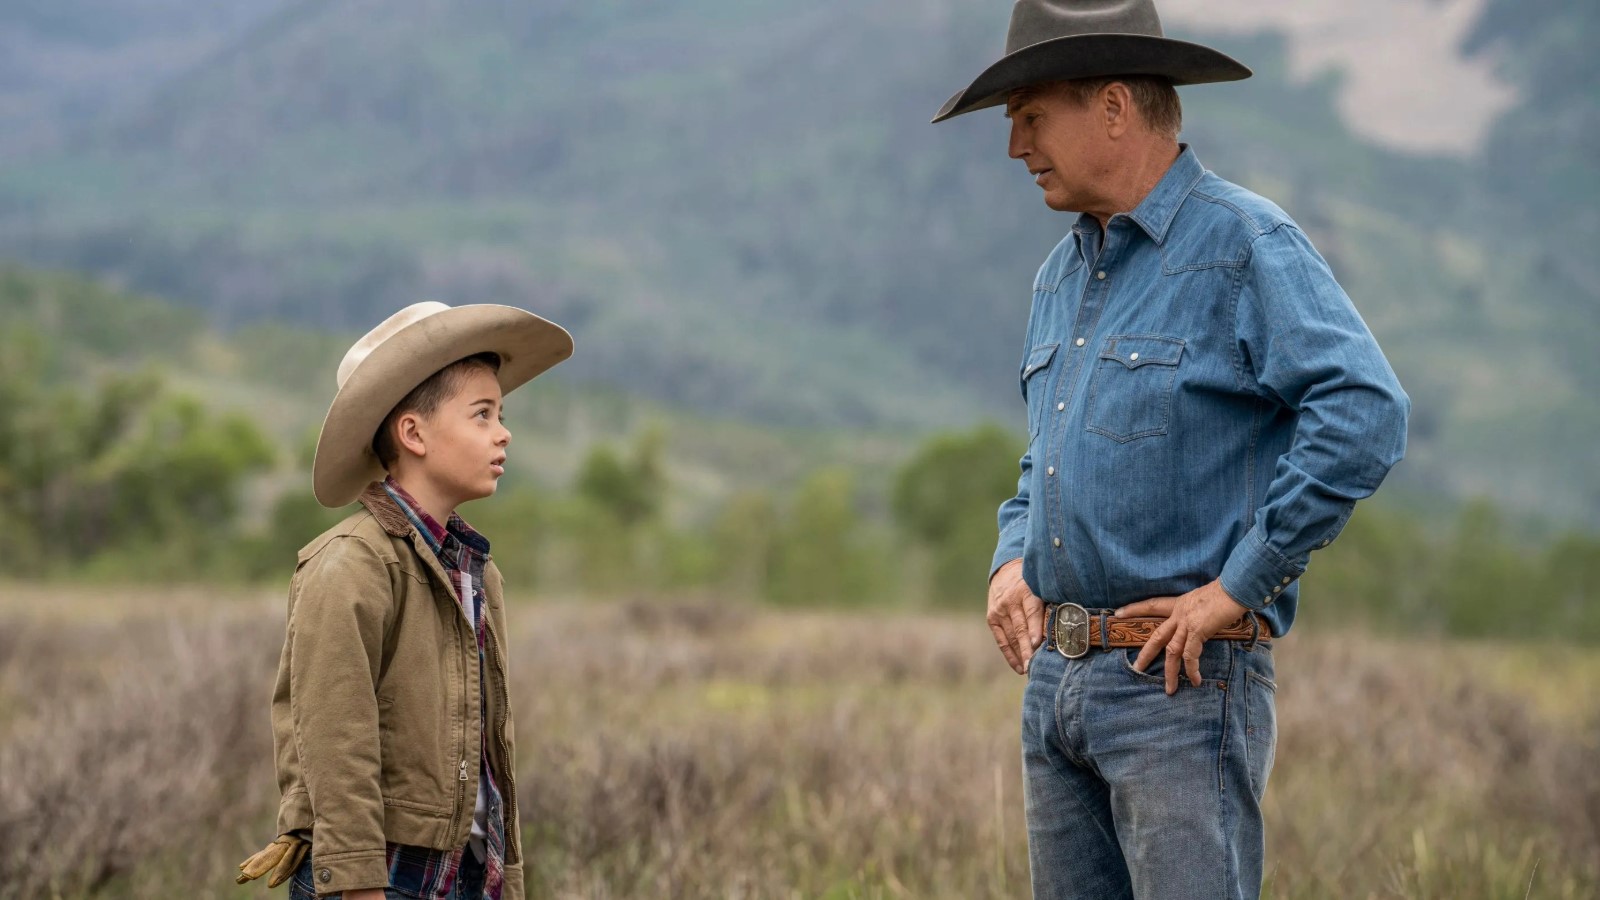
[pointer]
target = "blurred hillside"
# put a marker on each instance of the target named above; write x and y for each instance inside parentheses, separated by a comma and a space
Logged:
(143, 445)
(740, 207)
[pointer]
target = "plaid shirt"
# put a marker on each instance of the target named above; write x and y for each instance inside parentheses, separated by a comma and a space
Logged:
(424, 872)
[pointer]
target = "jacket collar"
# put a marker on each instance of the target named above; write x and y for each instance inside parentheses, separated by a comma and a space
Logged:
(378, 501)
(385, 510)
(393, 520)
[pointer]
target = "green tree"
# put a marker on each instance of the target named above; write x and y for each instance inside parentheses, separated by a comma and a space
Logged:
(745, 543)
(1481, 575)
(614, 516)
(945, 498)
(121, 469)
(1570, 588)
(630, 490)
(825, 555)
(1380, 572)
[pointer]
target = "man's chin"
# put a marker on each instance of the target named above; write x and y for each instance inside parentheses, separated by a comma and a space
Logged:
(1057, 202)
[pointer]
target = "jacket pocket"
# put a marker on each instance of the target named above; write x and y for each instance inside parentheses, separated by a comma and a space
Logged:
(1036, 384)
(1130, 395)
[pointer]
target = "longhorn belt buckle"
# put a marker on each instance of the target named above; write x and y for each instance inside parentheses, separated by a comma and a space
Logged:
(1072, 630)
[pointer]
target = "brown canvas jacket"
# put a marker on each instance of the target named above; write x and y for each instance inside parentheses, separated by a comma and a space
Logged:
(375, 715)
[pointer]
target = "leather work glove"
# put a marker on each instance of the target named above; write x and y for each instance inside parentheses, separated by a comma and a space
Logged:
(281, 857)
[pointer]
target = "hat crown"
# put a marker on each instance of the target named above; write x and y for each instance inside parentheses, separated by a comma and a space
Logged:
(1033, 21)
(386, 329)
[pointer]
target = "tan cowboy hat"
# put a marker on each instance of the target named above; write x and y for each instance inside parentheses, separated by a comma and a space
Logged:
(392, 359)
(1058, 40)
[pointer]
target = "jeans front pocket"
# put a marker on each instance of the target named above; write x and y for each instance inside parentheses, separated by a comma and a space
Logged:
(1130, 395)
(1216, 667)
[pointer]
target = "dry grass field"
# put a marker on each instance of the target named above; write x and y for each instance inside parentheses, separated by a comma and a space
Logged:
(682, 749)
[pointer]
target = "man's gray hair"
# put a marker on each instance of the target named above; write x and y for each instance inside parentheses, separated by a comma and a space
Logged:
(1153, 95)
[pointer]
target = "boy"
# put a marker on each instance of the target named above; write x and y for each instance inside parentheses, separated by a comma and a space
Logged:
(391, 716)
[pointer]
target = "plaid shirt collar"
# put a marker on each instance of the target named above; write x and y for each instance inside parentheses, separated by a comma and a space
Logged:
(438, 536)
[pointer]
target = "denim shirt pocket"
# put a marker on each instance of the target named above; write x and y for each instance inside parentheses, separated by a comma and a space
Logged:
(1036, 389)
(1130, 395)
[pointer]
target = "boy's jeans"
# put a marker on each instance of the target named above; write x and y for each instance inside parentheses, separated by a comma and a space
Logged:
(468, 887)
(1131, 793)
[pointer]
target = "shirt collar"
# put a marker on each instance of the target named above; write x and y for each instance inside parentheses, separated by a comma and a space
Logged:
(1157, 210)
(429, 527)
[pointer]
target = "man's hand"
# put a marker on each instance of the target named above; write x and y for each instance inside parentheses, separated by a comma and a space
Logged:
(1016, 616)
(1191, 620)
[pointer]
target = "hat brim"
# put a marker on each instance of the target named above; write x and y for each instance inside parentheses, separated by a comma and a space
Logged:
(1093, 56)
(527, 345)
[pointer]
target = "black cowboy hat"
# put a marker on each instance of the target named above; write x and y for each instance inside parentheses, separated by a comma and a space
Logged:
(1056, 40)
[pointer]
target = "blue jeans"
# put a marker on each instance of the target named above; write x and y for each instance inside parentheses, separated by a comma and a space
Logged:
(1132, 793)
(469, 886)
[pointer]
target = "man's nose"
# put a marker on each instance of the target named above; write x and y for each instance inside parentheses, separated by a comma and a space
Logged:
(1018, 147)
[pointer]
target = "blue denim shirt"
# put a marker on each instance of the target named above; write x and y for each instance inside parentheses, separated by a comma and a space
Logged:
(1204, 401)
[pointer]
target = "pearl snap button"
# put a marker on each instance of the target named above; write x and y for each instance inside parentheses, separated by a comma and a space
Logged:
(1133, 356)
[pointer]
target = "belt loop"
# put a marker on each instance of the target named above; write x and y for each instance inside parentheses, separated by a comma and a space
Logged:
(1255, 631)
(1105, 642)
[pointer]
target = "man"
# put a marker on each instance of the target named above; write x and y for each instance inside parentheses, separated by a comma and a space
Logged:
(1205, 406)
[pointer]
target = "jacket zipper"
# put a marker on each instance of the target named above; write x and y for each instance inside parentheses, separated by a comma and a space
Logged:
(509, 816)
(455, 813)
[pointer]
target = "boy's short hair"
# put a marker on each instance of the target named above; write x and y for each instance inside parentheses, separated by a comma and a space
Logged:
(425, 398)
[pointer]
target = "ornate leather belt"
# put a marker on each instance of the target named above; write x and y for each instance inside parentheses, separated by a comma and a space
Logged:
(1075, 631)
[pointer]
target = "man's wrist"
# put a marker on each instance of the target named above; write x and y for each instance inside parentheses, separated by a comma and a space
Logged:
(1008, 564)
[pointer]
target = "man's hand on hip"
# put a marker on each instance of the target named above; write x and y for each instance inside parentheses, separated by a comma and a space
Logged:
(1016, 616)
(1191, 620)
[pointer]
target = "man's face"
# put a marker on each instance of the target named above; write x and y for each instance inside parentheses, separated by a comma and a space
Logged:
(1063, 144)
(466, 439)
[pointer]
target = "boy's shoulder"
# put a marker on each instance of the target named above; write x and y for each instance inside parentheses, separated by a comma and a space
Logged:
(369, 524)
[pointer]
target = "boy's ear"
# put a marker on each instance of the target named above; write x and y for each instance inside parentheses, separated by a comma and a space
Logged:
(408, 428)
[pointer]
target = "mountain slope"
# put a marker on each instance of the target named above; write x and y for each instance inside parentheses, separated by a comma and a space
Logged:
(741, 207)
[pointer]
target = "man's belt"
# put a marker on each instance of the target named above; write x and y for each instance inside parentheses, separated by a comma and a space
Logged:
(1074, 631)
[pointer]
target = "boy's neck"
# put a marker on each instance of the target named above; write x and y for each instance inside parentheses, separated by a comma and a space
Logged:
(432, 501)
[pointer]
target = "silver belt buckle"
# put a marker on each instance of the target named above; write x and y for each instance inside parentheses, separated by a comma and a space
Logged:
(1072, 630)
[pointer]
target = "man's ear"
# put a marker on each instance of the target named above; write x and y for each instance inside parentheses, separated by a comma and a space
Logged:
(1116, 104)
(408, 433)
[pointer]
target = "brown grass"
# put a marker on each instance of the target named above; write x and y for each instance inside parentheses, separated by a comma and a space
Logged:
(694, 750)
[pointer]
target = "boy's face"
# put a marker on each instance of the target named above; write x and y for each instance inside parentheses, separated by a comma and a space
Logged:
(466, 439)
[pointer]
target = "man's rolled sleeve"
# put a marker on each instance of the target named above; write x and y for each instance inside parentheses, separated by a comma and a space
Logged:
(1309, 349)
(336, 632)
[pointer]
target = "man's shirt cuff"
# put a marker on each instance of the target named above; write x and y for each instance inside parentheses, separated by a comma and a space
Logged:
(1254, 575)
